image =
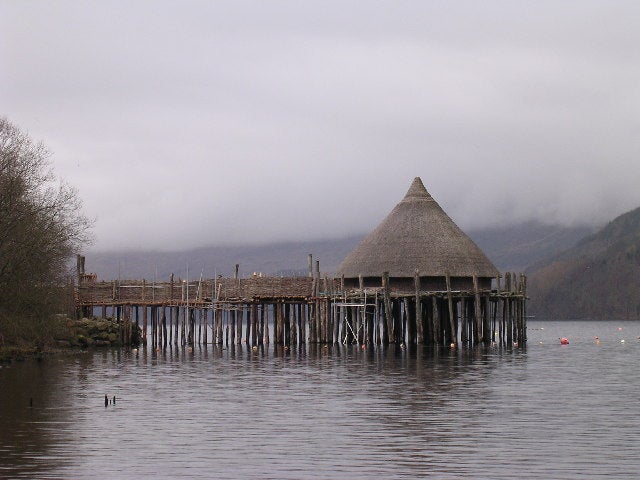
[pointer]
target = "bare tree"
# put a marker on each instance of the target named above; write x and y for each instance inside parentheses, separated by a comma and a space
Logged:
(41, 226)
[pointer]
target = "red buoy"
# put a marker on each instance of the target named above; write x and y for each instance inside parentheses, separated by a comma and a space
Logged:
(564, 341)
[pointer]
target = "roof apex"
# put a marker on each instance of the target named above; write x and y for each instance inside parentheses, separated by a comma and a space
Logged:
(417, 190)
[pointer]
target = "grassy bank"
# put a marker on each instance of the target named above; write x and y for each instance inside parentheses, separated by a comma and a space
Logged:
(22, 337)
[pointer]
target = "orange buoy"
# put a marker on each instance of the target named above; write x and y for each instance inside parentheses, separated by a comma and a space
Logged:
(564, 341)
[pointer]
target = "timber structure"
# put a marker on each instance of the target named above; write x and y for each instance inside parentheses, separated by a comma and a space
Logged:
(416, 279)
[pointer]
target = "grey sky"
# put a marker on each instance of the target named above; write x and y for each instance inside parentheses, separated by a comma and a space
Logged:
(188, 123)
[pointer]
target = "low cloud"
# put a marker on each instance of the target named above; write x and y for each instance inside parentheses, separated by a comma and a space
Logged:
(248, 122)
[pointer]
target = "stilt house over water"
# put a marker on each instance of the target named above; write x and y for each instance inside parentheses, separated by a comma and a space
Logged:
(416, 279)
(418, 238)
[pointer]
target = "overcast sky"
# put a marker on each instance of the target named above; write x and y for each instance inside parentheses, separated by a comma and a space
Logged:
(188, 123)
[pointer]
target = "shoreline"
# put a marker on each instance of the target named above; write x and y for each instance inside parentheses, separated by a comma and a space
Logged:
(23, 339)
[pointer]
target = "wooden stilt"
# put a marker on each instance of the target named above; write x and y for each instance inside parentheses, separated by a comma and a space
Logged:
(389, 336)
(418, 309)
(452, 326)
(239, 317)
(437, 339)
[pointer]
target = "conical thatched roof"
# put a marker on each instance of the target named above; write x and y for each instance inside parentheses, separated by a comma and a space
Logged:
(417, 234)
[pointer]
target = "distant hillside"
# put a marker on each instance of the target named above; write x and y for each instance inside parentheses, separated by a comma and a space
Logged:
(598, 278)
(510, 248)
(286, 258)
(515, 247)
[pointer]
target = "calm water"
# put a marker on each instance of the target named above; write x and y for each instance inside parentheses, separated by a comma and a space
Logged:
(549, 411)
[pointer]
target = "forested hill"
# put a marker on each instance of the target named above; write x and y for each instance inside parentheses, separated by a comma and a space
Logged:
(598, 278)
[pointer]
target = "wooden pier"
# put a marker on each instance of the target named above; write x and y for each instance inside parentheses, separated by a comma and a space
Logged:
(292, 311)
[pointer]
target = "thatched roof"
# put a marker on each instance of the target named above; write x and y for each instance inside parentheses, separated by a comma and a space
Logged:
(417, 234)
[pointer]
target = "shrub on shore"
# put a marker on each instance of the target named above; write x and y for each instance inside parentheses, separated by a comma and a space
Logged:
(26, 337)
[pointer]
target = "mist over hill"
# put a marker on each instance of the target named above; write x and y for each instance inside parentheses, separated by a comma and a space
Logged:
(285, 258)
(515, 247)
(572, 271)
(510, 248)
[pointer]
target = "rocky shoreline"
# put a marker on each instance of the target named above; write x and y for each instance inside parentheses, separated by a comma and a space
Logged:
(69, 335)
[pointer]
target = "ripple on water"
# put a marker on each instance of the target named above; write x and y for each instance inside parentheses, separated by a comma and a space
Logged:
(547, 411)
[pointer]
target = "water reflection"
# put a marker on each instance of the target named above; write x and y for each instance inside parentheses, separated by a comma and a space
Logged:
(32, 407)
(316, 412)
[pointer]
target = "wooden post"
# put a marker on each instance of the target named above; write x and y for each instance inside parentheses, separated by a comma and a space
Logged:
(303, 323)
(152, 312)
(437, 338)
(254, 324)
(409, 311)
(164, 326)
(286, 337)
(144, 313)
(418, 302)
(260, 333)
(452, 325)
(463, 309)
(197, 318)
(240, 314)
(397, 321)
(509, 320)
(170, 339)
(205, 321)
(266, 325)
(486, 315)
(494, 319)
(477, 311)
(279, 326)
(326, 324)
(176, 336)
(337, 317)
(293, 311)
(144, 324)
(247, 333)
(318, 319)
(377, 312)
(524, 307)
(390, 335)
(323, 320)
(312, 313)
(232, 325)
(499, 305)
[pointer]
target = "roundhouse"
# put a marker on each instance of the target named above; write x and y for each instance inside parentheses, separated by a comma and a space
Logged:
(418, 237)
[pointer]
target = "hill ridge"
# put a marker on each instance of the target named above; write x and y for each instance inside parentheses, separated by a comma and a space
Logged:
(598, 278)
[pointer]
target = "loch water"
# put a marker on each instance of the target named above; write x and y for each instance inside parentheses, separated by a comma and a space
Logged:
(543, 411)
